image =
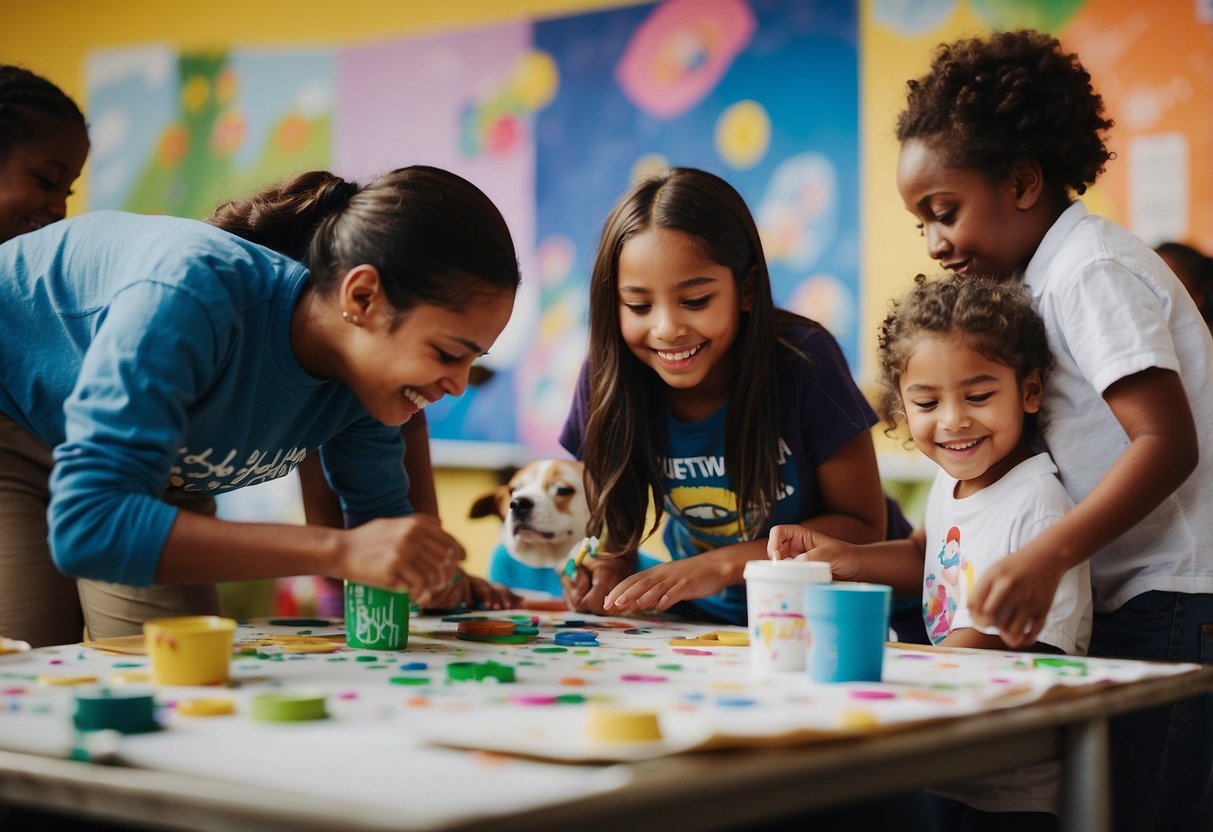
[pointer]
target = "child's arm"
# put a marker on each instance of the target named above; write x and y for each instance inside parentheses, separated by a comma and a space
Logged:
(853, 501)
(897, 563)
(664, 585)
(854, 509)
(1152, 407)
(971, 637)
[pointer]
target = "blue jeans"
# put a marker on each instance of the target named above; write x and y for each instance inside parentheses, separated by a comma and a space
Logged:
(1161, 758)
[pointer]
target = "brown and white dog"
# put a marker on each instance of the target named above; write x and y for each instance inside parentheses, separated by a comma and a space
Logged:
(544, 510)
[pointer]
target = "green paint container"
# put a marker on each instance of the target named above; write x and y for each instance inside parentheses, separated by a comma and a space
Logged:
(123, 711)
(376, 619)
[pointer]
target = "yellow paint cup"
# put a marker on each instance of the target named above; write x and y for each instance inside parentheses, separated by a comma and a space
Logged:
(190, 650)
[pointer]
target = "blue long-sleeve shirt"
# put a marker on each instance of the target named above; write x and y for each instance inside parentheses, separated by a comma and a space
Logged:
(154, 353)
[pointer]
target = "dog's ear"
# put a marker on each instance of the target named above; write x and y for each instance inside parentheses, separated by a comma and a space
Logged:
(490, 504)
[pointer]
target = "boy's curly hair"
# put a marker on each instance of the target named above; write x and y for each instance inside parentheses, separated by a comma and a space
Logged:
(990, 102)
(996, 318)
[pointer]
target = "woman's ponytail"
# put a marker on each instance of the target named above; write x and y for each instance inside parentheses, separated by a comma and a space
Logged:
(285, 216)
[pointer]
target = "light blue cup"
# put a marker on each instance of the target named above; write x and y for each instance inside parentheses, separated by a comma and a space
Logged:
(847, 624)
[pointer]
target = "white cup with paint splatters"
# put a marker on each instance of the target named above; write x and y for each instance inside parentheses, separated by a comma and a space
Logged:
(775, 603)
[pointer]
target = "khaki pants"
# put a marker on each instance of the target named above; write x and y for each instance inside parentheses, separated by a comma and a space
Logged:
(41, 605)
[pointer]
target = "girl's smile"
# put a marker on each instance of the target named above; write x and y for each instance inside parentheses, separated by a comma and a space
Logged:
(966, 411)
(962, 447)
(679, 313)
(680, 359)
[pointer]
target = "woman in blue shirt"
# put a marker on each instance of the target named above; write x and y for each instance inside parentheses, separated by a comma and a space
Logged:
(156, 361)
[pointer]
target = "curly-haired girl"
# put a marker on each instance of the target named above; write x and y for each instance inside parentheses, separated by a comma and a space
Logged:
(963, 364)
(996, 141)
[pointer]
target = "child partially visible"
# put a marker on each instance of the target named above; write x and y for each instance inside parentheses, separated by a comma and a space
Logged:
(698, 394)
(1195, 271)
(43, 145)
(997, 139)
(963, 363)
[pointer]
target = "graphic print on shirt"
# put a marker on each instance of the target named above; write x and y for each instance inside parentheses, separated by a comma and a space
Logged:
(701, 502)
(944, 591)
(211, 472)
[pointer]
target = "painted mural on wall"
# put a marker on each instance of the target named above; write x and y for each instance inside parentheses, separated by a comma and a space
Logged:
(763, 94)
(178, 133)
(554, 120)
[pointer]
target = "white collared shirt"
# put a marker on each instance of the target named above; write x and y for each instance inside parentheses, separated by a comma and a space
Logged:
(1114, 309)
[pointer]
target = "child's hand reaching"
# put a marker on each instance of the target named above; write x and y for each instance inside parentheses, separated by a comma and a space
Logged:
(586, 590)
(1016, 593)
(469, 591)
(664, 585)
(798, 543)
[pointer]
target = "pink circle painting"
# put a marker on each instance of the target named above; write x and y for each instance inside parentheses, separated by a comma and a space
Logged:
(681, 51)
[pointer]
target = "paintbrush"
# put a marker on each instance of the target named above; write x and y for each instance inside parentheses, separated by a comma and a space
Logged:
(589, 546)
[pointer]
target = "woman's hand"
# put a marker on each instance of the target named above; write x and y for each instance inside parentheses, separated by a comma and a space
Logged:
(410, 553)
(664, 585)
(597, 576)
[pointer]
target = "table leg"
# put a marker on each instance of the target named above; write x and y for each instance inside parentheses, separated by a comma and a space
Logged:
(1085, 797)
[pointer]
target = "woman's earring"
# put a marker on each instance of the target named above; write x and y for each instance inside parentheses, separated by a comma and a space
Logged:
(348, 318)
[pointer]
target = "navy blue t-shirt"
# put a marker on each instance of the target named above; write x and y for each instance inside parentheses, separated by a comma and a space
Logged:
(821, 410)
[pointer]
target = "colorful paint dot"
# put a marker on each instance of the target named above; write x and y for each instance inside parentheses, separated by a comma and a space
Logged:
(531, 700)
(872, 694)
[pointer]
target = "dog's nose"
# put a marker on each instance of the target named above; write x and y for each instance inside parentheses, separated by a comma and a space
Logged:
(521, 507)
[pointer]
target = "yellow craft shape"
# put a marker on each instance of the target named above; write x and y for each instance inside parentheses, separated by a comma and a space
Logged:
(314, 645)
(608, 723)
(48, 679)
(130, 677)
(214, 706)
(720, 638)
(856, 719)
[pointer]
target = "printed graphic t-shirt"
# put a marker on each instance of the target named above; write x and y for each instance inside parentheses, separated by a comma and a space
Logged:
(821, 410)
